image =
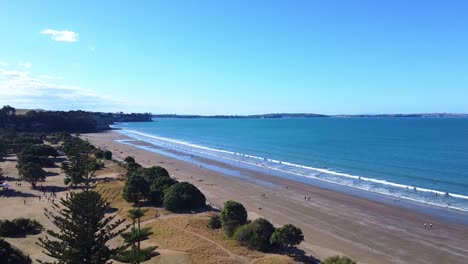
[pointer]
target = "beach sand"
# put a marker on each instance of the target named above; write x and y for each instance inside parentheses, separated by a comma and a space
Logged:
(332, 222)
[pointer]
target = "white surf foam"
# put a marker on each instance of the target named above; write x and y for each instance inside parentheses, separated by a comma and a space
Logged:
(407, 191)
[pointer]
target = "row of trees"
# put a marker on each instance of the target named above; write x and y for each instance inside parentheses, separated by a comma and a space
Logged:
(259, 234)
(32, 159)
(156, 186)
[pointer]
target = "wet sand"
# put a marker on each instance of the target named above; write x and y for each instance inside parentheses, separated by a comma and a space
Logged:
(332, 222)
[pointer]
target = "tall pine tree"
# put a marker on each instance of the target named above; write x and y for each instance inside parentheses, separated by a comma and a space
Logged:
(84, 229)
(135, 255)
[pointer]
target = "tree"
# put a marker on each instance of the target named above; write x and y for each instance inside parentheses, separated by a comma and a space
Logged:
(286, 237)
(11, 255)
(84, 230)
(32, 173)
(99, 154)
(108, 155)
(215, 222)
(78, 167)
(233, 215)
(3, 149)
(129, 159)
(1, 175)
(133, 239)
(183, 196)
(136, 188)
(154, 172)
(338, 260)
(255, 235)
(157, 188)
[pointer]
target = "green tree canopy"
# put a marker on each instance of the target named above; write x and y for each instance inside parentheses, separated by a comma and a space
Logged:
(287, 236)
(157, 188)
(84, 230)
(78, 168)
(136, 188)
(32, 173)
(129, 159)
(183, 196)
(338, 260)
(255, 235)
(233, 215)
(108, 155)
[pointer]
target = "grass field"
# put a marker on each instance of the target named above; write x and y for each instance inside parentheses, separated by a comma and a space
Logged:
(185, 238)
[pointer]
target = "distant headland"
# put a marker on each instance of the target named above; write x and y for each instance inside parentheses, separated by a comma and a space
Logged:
(305, 115)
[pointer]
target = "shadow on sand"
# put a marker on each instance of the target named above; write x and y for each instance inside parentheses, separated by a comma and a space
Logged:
(14, 193)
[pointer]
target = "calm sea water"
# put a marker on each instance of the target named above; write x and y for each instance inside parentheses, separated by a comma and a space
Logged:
(421, 159)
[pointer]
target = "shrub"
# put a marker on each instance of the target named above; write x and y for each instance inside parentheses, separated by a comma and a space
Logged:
(183, 196)
(136, 188)
(255, 235)
(157, 188)
(154, 172)
(338, 260)
(129, 159)
(287, 236)
(108, 155)
(244, 234)
(215, 222)
(233, 215)
(99, 154)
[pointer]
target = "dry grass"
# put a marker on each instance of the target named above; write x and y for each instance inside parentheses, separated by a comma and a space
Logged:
(186, 238)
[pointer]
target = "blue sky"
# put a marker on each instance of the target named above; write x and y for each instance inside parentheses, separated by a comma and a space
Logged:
(235, 57)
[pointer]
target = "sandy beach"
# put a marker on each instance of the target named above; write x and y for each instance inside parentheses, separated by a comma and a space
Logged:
(332, 222)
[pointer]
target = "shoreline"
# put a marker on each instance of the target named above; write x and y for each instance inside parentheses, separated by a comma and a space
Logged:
(422, 199)
(332, 222)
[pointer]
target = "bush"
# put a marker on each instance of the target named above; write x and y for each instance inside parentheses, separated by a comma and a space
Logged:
(129, 159)
(338, 260)
(215, 222)
(255, 235)
(183, 196)
(287, 236)
(9, 254)
(154, 172)
(136, 188)
(244, 234)
(99, 154)
(233, 215)
(18, 226)
(157, 188)
(107, 155)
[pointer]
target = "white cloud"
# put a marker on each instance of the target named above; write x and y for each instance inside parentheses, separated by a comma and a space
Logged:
(3, 64)
(20, 89)
(26, 64)
(50, 77)
(61, 35)
(92, 48)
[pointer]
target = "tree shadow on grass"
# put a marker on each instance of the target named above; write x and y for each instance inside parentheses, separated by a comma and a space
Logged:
(111, 210)
(33, 232)
(301, 256)
(59, 159)
(52, 188)
(50, 174)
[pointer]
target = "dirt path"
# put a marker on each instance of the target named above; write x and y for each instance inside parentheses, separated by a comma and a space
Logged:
(211, 241)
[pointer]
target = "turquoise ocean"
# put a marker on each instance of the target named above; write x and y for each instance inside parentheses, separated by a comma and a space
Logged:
(417, 159)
